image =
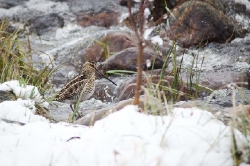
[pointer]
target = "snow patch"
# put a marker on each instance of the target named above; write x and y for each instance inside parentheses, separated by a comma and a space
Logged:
(22, 91)
(25, 92)
(157, 40)
(20, 111)
(187, 137)
(148, 32)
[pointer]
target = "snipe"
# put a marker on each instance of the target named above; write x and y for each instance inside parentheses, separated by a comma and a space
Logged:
(80, 87)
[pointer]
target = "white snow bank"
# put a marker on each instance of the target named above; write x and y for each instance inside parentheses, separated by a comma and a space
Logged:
(189, 137)
(23, 109)
(24, 91)
(20, 111)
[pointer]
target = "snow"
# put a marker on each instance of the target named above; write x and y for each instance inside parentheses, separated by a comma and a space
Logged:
(20, 110)
(157, 40)
(146, 13)
(187, 137)
(147, 32)
(23, 91)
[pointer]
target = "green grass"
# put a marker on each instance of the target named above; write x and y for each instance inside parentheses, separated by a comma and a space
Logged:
(189, 89)
(16, 62)
(120, 72)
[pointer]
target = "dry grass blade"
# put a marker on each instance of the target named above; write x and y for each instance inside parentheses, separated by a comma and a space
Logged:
(16, 61)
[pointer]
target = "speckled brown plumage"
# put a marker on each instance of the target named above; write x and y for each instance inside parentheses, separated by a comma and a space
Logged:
(84, 82)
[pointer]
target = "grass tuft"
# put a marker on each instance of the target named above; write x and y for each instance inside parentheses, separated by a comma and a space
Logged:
(16, 63)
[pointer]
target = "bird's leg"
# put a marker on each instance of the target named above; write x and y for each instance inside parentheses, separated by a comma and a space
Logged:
(73, 109)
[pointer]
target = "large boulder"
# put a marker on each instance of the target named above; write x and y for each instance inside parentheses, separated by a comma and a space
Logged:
(115, 42)
(200, 22)
(127, 60)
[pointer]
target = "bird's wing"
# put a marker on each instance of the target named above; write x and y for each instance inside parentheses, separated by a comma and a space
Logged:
(74, 80)
(69, 88)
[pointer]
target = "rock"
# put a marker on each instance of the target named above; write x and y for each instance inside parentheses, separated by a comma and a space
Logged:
(91, 116)
(42, 24)
(108, 92)
(104, 18)
(105, 91)
(93, 6)
(215, 3)
(239, 110)
(6, 96)
(220, 104)
(239, 8)
(60, 0)
(127, 90)
(160, 7)
(199, 22)
(146, 104)
(219, 79)
(233, 7)
(127, 60)
(224, 97)
(125, 2)
(7, 4)
(115, 42)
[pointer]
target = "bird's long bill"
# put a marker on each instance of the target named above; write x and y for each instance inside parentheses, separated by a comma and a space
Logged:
(105, 77)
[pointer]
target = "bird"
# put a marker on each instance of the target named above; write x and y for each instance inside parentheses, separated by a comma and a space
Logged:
(81, 87)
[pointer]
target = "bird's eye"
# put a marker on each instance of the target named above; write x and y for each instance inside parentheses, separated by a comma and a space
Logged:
(93, 64)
